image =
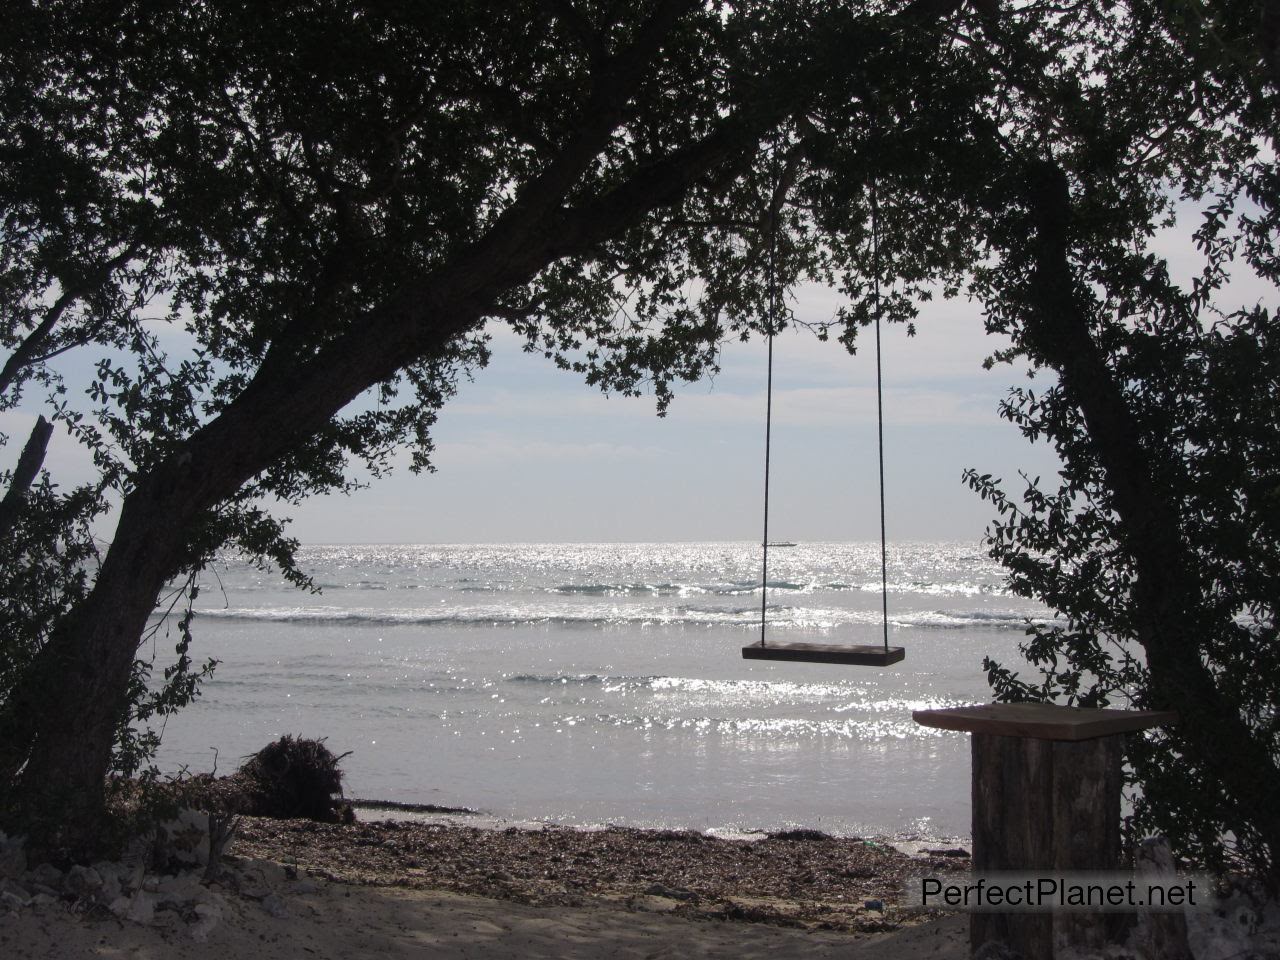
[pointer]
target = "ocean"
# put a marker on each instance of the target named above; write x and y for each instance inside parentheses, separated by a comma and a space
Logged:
(592, 684)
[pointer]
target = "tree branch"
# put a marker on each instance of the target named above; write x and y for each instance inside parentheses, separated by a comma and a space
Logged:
(28, 351)
(24, 474)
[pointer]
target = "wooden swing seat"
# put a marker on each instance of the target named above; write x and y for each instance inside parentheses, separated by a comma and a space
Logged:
(859, 655)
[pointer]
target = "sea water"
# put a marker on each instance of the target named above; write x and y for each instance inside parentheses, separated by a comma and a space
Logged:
(589, 684)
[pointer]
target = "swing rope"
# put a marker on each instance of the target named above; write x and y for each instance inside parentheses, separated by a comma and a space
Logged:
(771, 325)
(884, 543)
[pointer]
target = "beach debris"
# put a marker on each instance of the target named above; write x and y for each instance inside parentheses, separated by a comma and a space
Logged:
(294, 778)
(873, 905)
(799, 835)
(957, 852)
(806, 882)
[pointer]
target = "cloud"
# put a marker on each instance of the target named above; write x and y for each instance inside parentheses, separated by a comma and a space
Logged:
(827, 406)
(497, 448)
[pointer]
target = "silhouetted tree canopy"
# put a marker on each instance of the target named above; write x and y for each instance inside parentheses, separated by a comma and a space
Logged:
(284, 232)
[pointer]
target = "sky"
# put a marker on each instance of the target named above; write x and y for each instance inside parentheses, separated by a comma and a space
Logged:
(528, 452)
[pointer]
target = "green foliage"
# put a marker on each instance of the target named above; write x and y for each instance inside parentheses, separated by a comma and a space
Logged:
(45, 569)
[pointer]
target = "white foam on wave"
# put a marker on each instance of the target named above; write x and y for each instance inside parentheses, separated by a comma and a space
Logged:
(813, 618)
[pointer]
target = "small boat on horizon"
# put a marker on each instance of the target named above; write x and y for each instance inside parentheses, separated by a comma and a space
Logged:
(781, 543)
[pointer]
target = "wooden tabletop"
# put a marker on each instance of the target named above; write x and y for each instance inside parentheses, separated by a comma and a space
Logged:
(1042, 721)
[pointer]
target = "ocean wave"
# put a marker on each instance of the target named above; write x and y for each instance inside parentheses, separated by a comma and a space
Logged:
(723, 589)
(684, 615)
(623, 589)
(559, 679)
(959, 619)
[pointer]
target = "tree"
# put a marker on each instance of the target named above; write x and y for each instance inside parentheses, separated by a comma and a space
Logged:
(1160, 543)
(329, 202)
(327, 205)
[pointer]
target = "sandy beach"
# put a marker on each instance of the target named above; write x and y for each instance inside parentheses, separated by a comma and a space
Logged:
(304, 890)
(341, 921)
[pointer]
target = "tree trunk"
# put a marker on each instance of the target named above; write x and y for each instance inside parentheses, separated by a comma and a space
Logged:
(1167, 591)
(74, 697)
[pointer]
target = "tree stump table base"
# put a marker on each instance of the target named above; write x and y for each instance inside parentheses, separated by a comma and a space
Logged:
(1046, 785)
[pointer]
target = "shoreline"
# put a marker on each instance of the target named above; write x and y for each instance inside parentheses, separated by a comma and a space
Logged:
(370, 811)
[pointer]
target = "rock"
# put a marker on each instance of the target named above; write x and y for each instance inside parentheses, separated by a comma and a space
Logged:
(179, 889)
(304, 886)
(13, 856)
(264, 871)
(208, 896)
(275, 906)
(43, 900)
(13, 900)
(150, 883)
(208, 916)
(259, 877)
(119, 906)
(139, 852)
(14, 893)
(169, 919)
(83, 882)
(111, 874)
(48, 875)
(142, 909)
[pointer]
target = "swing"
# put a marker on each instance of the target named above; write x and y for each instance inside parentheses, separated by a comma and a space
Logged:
(861, 655)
